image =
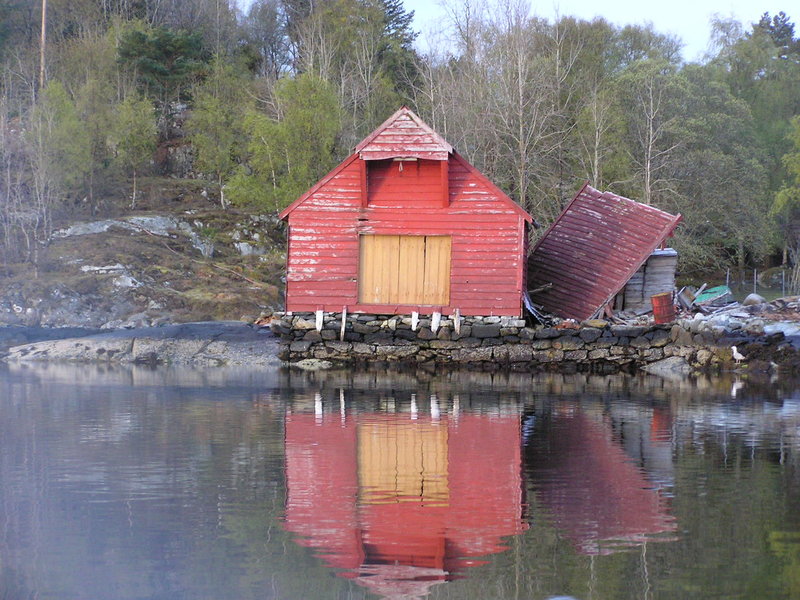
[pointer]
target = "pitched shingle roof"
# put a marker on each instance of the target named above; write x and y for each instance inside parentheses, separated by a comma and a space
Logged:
(404, 135)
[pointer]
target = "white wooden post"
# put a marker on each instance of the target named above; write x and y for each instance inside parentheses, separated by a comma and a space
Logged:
(318, 407)
(435, 411)
(436, 320)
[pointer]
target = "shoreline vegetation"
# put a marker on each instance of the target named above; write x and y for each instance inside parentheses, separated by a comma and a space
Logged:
(130, 109)
(146, 150)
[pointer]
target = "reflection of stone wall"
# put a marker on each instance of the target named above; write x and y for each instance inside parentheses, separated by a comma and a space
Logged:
(489, 342)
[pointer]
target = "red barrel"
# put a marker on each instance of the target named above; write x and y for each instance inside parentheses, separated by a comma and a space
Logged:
(663, 307)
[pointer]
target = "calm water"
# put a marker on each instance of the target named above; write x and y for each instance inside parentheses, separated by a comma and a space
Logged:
(171, 484)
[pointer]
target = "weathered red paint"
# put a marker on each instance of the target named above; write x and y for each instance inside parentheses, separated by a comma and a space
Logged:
(434, 191)
(371, 534)
(592, 250)
(404, 134)
(601, 499)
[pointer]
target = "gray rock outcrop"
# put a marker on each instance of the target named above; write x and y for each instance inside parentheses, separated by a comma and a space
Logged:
(213, 343)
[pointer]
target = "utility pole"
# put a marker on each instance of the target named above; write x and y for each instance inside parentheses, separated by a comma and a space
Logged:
(42, 44)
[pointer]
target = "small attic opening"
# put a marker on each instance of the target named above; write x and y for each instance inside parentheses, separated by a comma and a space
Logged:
(406, 181)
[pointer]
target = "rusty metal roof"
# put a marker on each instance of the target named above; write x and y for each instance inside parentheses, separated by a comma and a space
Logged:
(404, 135)
(591, 251)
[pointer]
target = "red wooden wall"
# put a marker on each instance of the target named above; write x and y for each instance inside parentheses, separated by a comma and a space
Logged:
(332, 513)
(487, 229)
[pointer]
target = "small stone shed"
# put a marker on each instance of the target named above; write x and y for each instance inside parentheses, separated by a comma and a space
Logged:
(405, 224)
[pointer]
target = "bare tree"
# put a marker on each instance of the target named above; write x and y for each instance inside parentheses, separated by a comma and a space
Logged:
(596, 132)
(503, 99)
(651, 89)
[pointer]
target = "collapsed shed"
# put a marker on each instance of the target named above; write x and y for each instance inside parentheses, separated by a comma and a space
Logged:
(655, 276)
(592, 251)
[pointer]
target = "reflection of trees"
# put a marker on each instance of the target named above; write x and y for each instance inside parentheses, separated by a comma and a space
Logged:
(146, 483)
(109, 478)
(786, 545)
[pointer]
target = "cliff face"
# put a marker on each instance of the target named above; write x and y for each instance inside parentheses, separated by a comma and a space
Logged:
(173, 259)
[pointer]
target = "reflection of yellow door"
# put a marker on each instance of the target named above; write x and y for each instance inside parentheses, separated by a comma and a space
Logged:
(403, 461)
(404, 269)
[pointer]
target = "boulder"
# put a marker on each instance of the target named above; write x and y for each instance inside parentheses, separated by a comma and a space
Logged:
(674, 365)
(753, 299)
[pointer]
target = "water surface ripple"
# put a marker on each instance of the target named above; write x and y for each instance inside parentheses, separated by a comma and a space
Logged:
(137, 483)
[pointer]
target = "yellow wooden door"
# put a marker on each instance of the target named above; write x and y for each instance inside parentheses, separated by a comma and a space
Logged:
(404, 269)
(403, 460)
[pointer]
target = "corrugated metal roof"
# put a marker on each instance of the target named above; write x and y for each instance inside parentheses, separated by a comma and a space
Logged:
(591, 251)
(404, 135)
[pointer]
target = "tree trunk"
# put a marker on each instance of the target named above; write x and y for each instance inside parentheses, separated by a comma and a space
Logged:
(133, 196)
(794, 277)
(740, 260)
(42, 43)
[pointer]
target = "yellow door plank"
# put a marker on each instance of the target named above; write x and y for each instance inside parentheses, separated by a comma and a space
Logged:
(366, 272)
(388, 265)
(411, 271)
(437, 271)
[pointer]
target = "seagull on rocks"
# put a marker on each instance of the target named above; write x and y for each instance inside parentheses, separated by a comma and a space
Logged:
(737, 356)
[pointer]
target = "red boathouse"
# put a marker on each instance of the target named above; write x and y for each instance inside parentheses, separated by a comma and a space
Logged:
(400, 502)
(405, 224)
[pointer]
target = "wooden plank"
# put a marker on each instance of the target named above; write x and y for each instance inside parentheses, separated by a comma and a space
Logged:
(444, 178)
(411, 270)
(328, 303)
(362, 171)
(437, 271)
(366, 270)
(389, 264)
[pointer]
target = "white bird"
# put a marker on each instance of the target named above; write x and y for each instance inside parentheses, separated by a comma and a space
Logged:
(737, 356)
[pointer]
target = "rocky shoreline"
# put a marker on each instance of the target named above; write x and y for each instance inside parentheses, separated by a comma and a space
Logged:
(212, 343)
(769, 343)
(703, 343)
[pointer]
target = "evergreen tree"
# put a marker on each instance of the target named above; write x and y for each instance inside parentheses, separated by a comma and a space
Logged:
(165, 62)
(781, 30)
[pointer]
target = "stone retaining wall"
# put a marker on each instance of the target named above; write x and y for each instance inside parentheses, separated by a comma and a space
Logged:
(496, 342)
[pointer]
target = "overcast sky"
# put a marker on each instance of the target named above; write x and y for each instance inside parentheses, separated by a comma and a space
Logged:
(688, 19)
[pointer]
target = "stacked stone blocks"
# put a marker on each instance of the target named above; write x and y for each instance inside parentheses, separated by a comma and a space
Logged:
(488, 342)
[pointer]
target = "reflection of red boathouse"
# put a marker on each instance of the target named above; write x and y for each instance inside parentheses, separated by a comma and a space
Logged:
(592, 488)
(402, 502)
